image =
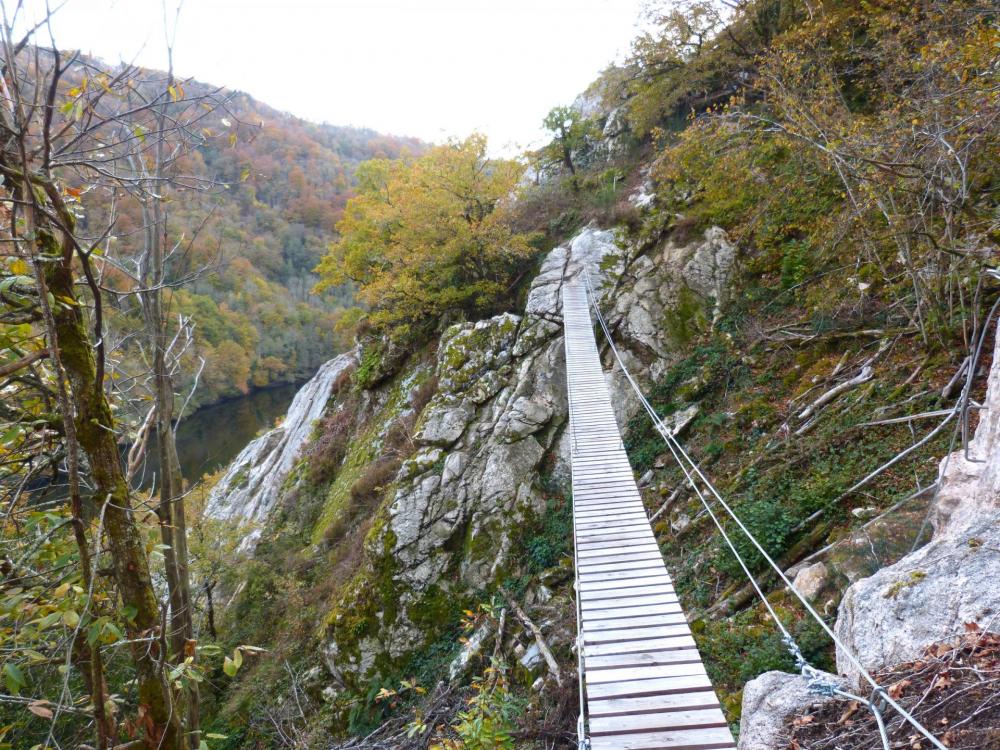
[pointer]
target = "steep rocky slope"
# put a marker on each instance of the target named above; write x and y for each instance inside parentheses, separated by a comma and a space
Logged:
(482, 467)
(248, 490)
(437, 486)
(931, 596)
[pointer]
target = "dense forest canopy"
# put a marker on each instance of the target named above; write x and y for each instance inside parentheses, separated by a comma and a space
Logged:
(429, 238)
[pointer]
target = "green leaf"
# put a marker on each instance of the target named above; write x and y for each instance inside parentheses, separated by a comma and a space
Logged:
(14, 678)
(112, 634)
(229, 667)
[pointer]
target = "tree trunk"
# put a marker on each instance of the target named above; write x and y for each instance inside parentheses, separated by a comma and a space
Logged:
(173, 523)
(112, 504)
(88, 660)
(209, 588)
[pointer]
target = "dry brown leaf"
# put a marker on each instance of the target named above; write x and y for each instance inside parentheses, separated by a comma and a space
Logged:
(38, 709)
(897, 688)
(943, 681)
(852, 708)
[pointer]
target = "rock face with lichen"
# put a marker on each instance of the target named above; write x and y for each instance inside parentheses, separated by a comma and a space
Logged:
(251, 486)
(475, 459)
(465, 494)
(768, 702)
(462, 500)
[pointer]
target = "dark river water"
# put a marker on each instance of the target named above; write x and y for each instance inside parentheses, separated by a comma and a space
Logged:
(212, 437)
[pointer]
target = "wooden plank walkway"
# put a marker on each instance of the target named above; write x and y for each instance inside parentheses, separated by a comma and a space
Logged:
(646, 687)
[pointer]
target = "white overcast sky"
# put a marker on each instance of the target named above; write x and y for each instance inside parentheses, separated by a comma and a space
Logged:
(426, 68)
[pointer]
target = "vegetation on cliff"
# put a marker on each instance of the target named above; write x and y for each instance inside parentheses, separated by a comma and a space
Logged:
(847, 150)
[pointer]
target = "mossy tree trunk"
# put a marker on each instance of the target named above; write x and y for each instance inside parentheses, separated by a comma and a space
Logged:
(157, 719)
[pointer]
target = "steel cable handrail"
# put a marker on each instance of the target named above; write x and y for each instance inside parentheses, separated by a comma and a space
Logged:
(682, 457)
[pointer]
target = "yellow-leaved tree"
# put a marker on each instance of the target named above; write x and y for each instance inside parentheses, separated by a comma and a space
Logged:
(429, 236)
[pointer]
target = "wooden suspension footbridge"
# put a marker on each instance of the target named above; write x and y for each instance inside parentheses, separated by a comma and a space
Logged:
(643, 679)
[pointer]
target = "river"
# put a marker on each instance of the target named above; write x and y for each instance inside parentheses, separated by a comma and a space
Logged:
(210, 438)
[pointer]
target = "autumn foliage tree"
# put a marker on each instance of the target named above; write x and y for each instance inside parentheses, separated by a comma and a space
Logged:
(429, 237)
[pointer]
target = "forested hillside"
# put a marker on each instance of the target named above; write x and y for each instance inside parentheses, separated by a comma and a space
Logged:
(270, 189)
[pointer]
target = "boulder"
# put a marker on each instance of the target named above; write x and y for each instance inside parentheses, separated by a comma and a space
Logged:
(769, 703)
(445, 425)
(928, 596)
(970, 486)
(709, 268)
(932, 594)
(526, 417)
(810, 580)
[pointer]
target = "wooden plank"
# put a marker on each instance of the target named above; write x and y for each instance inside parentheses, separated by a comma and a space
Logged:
(626, 616)
(640, 625)
(623, 582)
(594, 635)
(635, 528)
(684, 640)
(599, 563)
(615, 538)
(640, 687)
(592, 549)
(648, 688)
(642, 659)
(631, 563)
(591, 527)
(658, 722)
(613, 517)
(591, 495)
(609, 517)
(600, 479)
(715, 738)
(628, 592)
(608, 503)
(625, 513)
(696, 698)
(629, 600)
(687, 668)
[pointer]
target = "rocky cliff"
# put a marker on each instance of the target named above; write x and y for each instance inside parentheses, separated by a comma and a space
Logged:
(482, 467)
(419, 488)
(251, 485)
